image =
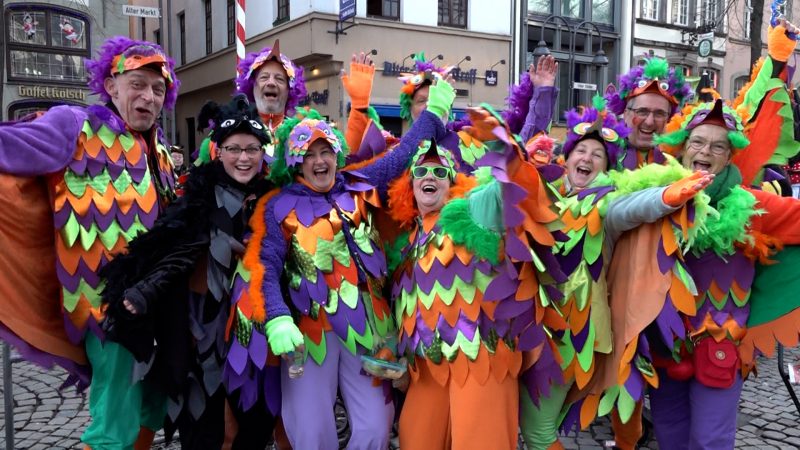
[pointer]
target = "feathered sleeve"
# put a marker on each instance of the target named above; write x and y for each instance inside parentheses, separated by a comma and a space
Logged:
(41, 146)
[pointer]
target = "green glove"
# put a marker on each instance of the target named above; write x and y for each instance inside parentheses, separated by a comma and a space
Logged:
(283, 335)
(440, 98)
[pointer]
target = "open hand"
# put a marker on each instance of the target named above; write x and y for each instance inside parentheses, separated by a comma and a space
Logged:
(543, 72)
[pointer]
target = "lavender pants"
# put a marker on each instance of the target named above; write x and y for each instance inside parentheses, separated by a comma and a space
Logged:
(307, 403)
(689, 415)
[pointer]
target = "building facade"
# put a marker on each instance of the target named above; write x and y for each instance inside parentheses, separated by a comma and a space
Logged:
(575, 32)
(474, 35)
(676, 30)
(45, 44)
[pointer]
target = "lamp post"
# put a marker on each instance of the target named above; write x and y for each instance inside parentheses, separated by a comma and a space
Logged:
(502, 61)
(466, 58)
(439, 56)
(541, 49)
(403, 62)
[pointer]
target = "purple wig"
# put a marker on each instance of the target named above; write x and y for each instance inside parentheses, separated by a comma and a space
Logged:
(100, 68)
(669, 83)
(598, 123)
(245, 78)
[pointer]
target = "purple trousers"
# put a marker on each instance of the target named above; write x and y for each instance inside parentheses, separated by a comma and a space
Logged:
(689, 415)
(308, 401)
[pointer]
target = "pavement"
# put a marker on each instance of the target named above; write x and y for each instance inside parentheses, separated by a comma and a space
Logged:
(46, 418)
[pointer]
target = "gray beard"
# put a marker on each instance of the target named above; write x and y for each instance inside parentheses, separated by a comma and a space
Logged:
(266, 108)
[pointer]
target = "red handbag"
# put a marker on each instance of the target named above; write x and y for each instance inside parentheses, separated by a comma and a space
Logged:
(715, 363)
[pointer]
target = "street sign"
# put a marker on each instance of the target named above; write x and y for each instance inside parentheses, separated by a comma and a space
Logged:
(584, 86)
(141, 11)
(706, 36)
(704, 48)
(347, 9)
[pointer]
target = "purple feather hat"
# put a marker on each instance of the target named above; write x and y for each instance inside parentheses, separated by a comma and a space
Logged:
(248, 69)
(122, 48)
(598, 123)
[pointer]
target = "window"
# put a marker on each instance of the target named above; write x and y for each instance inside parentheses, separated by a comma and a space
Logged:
(738, 84)
(208, 26)
(47, 45)
(453, 13)
(650, 9)
(713, 76)
(157, 36)
(389, 9)
(572, 8)
(687, 71)
(540, 6)
(182, 35)
(602, 12)
(143, 28)
(680, 12)
(711, 14)
(20, 109)
(283, 11)
(231, 22)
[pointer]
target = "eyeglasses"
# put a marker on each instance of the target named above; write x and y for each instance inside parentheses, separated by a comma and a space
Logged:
(643, 113)
(251, 150)
(718, 148)
(439, 172)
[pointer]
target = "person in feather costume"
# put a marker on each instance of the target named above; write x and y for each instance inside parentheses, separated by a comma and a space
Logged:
(473, 267)
(271, 81)
(597, 208)
(318, 266)
(646, 97)
(177, 284)
(738, 311)
(93, 178)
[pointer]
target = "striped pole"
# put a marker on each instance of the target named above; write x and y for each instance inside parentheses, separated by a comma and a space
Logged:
(240, 37)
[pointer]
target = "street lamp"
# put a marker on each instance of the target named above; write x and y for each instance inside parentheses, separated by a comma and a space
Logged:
(403, 63)
(599, 58)
(541, 47)
(502, 61)
(466, 58)
(439, 56)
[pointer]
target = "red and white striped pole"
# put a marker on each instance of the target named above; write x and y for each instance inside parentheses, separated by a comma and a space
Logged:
(240, 37)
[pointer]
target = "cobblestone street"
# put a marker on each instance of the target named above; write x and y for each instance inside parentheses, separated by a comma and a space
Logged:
(45, 418)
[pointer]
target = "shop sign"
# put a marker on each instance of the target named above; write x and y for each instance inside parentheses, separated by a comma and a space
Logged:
(53, 92)
(491, 78)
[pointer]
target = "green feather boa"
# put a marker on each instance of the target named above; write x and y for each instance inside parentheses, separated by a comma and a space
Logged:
(729, 226)
(456, 221)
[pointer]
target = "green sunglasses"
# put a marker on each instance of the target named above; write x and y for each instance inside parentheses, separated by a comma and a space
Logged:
(439, 172)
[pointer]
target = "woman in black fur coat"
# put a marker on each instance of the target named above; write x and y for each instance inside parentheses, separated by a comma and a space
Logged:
(169, 298)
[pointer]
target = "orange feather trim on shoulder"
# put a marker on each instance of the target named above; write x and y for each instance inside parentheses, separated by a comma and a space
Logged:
(251, 257)
(762, 247)
(403, 207)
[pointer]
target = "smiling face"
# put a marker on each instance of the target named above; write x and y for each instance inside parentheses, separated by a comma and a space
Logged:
(707, 148)
(138, 95)
(430, 191)
(319, 165)
(642, 129)
(585, 162)
(419, 101)
(271, 88)
(242, 165)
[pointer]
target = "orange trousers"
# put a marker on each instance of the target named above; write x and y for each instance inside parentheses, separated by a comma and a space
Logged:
(628, 434)
(471, 416)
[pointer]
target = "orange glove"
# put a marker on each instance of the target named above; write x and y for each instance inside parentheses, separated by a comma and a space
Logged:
(483, 124)
(686, 188)
(779, 46)
(359, 84)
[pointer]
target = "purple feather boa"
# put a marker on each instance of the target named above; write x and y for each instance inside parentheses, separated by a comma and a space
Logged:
(518, 101)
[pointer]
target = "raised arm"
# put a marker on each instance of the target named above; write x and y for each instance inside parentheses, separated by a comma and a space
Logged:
(358, 85)
(428, 126)
(543, 102)
(42, 146)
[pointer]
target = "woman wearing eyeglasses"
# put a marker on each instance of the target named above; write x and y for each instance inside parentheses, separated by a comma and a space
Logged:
(466, 288)
(177, 283)
(318, 269)
(597, 208)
